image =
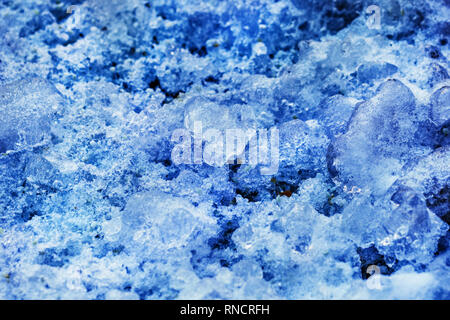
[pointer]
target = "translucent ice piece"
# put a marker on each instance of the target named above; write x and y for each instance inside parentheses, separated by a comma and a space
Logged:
(26, 108)
(440, 106)
(302, 145)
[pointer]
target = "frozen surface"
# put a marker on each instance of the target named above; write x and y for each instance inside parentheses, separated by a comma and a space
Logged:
(93, 207)
(27, 107)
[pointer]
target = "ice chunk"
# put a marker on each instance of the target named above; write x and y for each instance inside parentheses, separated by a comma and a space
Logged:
(39, 21)
(158, 219)
(380, 139)
(412, 231)
(440, 107)
(437, 74)
(302, 154)
(26, 109)
(102, 212)
(334, 113)
(209, 114)
(373, 71)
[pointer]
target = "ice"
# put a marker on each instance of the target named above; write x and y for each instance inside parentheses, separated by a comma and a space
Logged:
(302, 146)
(412, 229)
(155, 217)
(437, 74)
(334, 114)
(380, 139)
(371, 71)
(27, 107)
(209, 114)
(440, 107)
(94, 206)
